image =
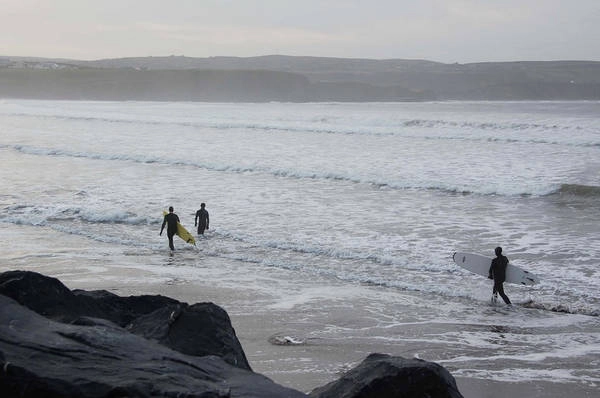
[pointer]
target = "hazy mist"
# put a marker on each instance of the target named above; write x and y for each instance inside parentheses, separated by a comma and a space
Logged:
(445, 31)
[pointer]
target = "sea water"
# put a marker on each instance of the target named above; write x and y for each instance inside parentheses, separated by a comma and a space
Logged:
(352, 195)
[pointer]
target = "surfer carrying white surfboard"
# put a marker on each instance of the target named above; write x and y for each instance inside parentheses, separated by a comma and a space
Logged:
(171, 220)
(201, 219)
(497, 272)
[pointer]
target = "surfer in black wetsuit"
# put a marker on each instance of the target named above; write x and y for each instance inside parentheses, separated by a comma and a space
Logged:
(498, 274)
(171, 220)
(201, 219)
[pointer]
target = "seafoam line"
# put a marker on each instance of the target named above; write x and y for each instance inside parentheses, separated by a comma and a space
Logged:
(284, 173)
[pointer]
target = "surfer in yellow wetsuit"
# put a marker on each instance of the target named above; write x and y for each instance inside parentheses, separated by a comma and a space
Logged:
(171, 220)
(498, 274)
(201, 219)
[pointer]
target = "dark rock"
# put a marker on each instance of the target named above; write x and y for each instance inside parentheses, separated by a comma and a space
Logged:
(384, 376)
(121, 310)
(43, 358)
(49, 297)
(55, 342)
(200, 329)
(45, 295)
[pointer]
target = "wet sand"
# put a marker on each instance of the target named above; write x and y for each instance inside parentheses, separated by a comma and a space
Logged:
(301, 342)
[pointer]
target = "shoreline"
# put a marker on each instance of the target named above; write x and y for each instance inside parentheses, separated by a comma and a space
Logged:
(309, 361)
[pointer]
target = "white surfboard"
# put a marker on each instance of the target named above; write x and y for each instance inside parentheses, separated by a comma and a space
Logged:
(480, 265)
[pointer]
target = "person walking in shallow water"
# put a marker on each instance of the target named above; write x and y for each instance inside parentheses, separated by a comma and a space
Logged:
(498, 274)
(201, 219)
(171, 221)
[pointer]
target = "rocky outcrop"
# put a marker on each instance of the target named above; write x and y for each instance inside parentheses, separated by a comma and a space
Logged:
(43, 358)
(199, 329)
(384, 376)
(56, 342)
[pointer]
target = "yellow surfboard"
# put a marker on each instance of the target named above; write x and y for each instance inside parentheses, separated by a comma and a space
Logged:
(183, 233)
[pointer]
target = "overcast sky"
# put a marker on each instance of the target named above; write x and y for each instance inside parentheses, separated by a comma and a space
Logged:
(438, 30)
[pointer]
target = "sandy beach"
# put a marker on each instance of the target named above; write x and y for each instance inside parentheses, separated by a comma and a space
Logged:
(302, 340)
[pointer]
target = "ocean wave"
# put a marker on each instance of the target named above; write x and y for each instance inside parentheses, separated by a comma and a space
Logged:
(313, 250)
(370, 277)
(63, 217)
(81, 221)
(31, 150)
(47, 215)
(282, 125)
(345, 264)
(448, 188)
(377, 270)
(410, 128)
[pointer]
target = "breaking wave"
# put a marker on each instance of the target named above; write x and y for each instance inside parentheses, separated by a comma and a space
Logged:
(45, 215)
(409, 128)
(450, 188)
(372, 268)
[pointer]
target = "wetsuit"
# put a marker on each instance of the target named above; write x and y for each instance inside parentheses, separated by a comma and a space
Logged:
(171, 220)
(498, 273)
(202, 219)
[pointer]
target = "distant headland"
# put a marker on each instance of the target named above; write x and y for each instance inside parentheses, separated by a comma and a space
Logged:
(294, 79)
